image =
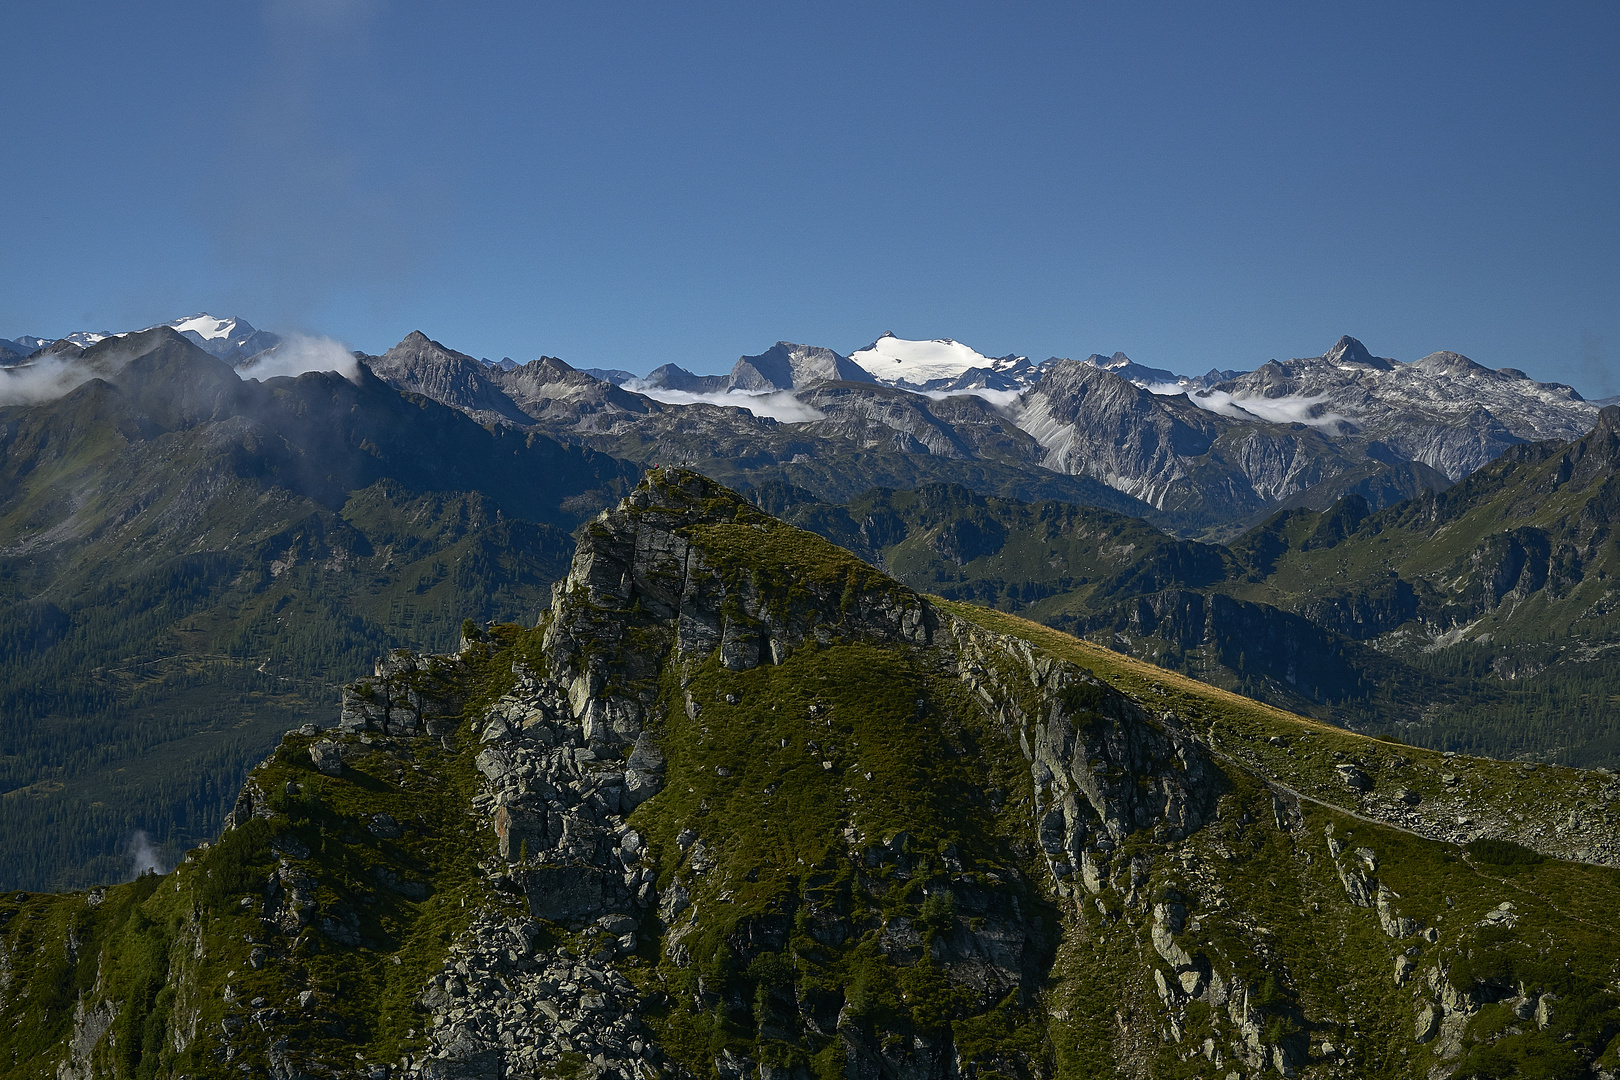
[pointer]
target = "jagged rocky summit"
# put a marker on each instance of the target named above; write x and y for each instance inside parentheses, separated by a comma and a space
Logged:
(741, 805)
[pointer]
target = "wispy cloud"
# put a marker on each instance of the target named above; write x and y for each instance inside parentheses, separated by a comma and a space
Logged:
(44, 379)
(1297, 409)
(1594, 364)
(298, 353)
(306, 199)
(1279, 410)
(777, 405)
(1004, 400)
(144, 855)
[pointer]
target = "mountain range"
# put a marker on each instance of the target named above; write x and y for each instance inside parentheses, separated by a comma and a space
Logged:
(1480, 617)
(192, 556)
(1206, 460)
(1204, 456)
(1001, 721)
(232, 340)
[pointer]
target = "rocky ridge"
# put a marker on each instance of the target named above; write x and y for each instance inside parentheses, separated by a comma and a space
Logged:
(741, 806)
(1443, 410)
(1212, 457)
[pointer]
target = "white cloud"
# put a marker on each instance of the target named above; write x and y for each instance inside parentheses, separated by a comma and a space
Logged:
(776, 404)
(298, 353)
(1004, 400)
(45, 379)
(1280, 410)
(146, 858)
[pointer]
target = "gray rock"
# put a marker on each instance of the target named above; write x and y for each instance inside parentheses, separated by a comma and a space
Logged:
(383, 826)
(1426, 1025)
(327, 757)
(1354, 778)
(574, 895)
(1403, 969)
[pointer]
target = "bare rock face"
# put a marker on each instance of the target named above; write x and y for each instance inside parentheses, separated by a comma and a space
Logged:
(1444, 411)
(786, 366)
(550, 391)
(1103, 769)
(634, 563)
(328, 757)
(409, 694)
(420, 365)
(1094, 422)
(1261, 438)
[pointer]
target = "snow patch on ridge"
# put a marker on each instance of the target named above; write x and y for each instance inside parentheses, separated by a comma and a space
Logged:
(204, 326)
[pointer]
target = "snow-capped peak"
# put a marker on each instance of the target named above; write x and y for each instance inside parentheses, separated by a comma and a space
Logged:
(209, 328)
(901, 362)
(232, 339)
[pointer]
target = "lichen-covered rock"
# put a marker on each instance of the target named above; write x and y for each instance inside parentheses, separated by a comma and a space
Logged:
(327, 757)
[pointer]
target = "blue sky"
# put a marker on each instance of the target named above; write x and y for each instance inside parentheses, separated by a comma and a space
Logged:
(626, 184)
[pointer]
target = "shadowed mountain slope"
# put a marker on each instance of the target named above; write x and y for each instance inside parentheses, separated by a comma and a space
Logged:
(189, 564)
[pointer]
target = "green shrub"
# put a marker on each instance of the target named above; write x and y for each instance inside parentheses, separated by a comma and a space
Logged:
(769, 970)
(1078, 698)
(238, 864)
(937, 914)
(1503, 853)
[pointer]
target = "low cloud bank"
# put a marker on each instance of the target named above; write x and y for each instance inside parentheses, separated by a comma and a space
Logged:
(776, 404)
(1281, 410)
(48, 376)
(298, 353)
(44, 379)
(1004, 400)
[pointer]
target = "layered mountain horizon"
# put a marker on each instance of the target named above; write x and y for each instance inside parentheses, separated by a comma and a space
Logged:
(181, 530)
(1202, 455)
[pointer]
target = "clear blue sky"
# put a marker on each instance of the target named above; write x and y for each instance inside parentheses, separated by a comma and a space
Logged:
(626, 184)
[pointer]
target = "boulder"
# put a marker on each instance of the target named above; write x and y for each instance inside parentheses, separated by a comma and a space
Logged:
(327, 757)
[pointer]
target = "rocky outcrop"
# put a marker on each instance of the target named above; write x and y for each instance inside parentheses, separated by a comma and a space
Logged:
(1092, 422)
(1102, 768)
(963, 427)
(634, 567)
(501, 1006)
(420, 365)
(1444, 411)
(786, 366)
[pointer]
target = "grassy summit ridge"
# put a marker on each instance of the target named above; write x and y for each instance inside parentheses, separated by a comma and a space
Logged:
(740, 805)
